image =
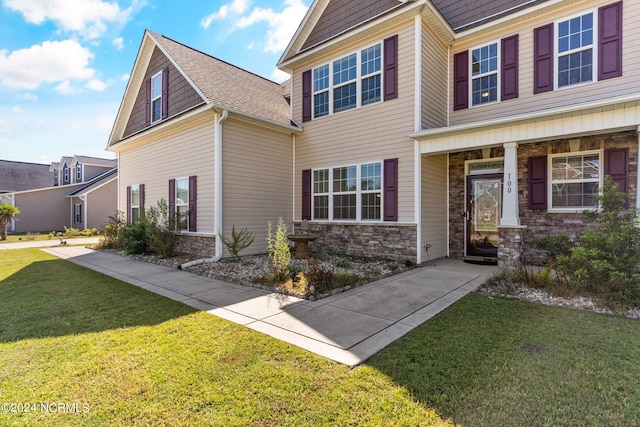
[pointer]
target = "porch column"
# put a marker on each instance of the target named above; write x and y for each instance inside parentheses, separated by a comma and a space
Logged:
(510, 211)
(638, 177)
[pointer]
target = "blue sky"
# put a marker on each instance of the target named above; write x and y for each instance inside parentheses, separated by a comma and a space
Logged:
(64, 64)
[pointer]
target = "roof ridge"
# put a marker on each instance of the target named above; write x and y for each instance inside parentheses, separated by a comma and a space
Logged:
(216, 58)
(25, 163)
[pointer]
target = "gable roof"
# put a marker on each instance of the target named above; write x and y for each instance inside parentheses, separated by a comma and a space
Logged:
(94, 161)
(221, 85)
(96, 182)
(20, 176)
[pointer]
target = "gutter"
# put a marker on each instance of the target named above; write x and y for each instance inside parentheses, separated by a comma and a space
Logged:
(217, 196)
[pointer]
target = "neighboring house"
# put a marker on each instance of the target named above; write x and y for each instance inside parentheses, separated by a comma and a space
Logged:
(79, 192)
(19, 176)
(427, 128)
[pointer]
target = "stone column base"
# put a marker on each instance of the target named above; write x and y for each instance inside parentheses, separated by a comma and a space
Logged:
(510, 246)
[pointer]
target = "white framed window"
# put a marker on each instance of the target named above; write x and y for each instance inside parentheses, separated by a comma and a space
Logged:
(575, 50)
(67, 174)
(182, 204)
(135, 203)
(56, 178)
(348, 193)
(78, 172)
(156, 97)
(349, 82)
(575, 180)
(484, 74)
(77, 213)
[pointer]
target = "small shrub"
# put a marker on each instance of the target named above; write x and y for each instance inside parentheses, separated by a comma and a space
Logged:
(134, 239)
(239, 240)
(70, 233)
(31, 236)
(319, 277)
(342, 263)
(343, 278)
(161, 239)
(111, 236)
(505, 281)
(279, 252)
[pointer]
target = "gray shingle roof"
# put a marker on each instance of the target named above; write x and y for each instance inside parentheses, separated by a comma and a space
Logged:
(228, 86)
(96, 161)
(465, 14)
(20, 176)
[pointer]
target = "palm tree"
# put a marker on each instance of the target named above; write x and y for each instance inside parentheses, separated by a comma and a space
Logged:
(7, 213)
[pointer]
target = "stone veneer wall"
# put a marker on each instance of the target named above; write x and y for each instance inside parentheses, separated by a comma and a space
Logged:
(203, 246)
(378, 240)
(538, 223)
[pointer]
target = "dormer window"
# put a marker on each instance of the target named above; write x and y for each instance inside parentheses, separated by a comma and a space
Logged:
(156, 97)
(55, 178)
(78, 172)
(66, 171)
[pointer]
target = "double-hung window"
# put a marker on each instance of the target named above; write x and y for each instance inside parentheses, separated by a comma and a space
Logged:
(348, 82)
(67, 174)
(156, 97)
(135, 203)
(575, 50)
(348, 193)
(182, 204)
(575, 180)
(56, 177)
(484, 74)
(77, 213)
(78, 172)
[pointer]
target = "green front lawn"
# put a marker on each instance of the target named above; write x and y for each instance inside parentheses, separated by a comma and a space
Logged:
(115, 354)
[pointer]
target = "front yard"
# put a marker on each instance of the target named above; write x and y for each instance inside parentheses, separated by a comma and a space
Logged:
(102, 352)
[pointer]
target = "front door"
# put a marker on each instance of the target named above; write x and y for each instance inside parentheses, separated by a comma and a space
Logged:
(484, 208)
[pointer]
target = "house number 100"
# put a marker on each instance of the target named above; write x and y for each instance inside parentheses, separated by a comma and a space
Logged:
(509, 183)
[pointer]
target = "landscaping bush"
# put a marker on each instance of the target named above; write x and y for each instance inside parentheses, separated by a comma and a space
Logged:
(111, 236)
(605, 260)
(134, 238)
(161, 239)
(279, 252)
(239, 240)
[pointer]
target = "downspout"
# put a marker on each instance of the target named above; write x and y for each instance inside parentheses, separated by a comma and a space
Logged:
(217, 196)
(83, 198)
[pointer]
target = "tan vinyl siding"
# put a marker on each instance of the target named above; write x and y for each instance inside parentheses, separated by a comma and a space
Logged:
(367, 134)
(44, 210)
(101, 203)
(434, 80)
(434, 206)
(89, 171)
(256, 180)
(177, 153)
(527, 101)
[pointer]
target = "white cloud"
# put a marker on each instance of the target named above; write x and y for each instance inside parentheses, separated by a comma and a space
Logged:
(236, 7)
(125, 77)
(28, 96)
(118, 43)
(89, 18)
(96, 85)
(49, 62)
(281, 24)
(279, 76)
(18, 109)
(65, 88)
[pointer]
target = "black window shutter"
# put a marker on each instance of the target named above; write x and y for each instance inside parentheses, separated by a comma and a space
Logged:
(509, 52)
(461, 80)
(129, 204)
(616, 165)
(543, 59)
(165, 93)
(610, 41)
(391, 68)
(390, 189)
(193, 196)
(80, 217)
(147, 111)
(306, 194)
(306, 96)
(172, 203)
(537, 182)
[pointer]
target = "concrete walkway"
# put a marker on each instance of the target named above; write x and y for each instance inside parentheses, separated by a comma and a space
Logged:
(348, 327)
(48, 243)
